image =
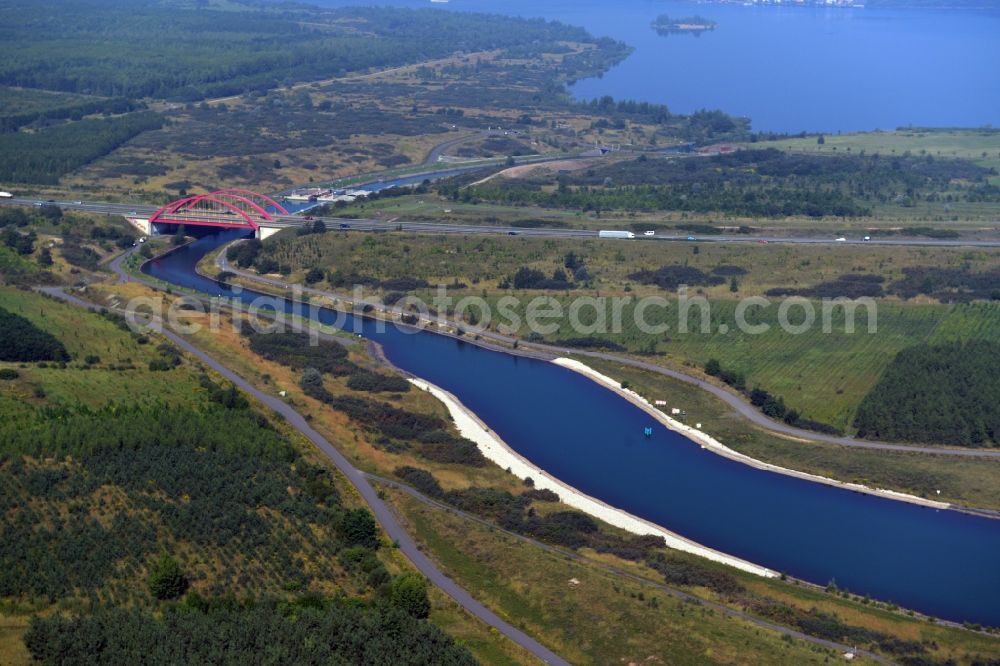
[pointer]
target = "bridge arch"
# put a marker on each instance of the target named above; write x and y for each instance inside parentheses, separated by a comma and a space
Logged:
(231, 207)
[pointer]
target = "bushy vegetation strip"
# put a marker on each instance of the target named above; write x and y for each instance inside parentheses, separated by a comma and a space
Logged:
(310, 630)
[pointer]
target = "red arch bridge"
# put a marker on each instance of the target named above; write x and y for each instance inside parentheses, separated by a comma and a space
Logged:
(231, 208)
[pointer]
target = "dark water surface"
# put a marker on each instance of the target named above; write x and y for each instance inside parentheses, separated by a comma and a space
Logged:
(940, 562)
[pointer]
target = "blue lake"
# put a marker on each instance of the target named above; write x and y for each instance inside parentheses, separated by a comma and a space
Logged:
(791, 69)
(940, 562)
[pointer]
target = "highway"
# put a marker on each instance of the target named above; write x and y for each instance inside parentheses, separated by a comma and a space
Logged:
(376, 225)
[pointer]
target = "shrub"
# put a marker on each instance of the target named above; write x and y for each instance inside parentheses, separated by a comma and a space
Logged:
(409, 594)
(420, 479)
(166, 581)
(358, 528)
(373, 382)
(314, 275)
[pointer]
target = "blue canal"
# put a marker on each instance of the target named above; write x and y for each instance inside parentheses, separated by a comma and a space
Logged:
(944, 563)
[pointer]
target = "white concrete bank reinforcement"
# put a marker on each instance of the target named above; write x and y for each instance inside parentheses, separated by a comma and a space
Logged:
(497, 451)
(718, 447)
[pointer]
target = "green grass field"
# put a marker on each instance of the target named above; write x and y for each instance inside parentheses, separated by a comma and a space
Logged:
(962, 143)
(85, 334)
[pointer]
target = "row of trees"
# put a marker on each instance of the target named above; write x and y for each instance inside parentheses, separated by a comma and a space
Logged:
(75, 110)
(762, 201)
(312, 630)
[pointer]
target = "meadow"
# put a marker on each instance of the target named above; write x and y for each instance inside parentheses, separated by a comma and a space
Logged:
(980, 145)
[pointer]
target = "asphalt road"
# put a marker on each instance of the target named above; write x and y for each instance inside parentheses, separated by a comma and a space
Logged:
(286, 221)
(383, 513)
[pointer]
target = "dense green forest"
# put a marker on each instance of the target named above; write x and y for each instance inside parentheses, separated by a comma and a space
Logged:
(756, 183)
(309, 631)
(143, 48)
(45, 155)
(20, 340)
(938, 394)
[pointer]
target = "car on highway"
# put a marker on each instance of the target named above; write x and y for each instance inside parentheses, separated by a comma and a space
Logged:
(511, 233)
(77, 203)
(841, 240)
(867, 238)
(648, 233)
(345, 226)
(6, 195)
(308, 218)
(39, 203)
(691, 238)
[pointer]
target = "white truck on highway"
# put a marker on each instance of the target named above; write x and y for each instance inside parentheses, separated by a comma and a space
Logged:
(6, 195)
(615, 234)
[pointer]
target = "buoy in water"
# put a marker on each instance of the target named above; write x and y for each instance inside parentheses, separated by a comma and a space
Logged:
(648, 432)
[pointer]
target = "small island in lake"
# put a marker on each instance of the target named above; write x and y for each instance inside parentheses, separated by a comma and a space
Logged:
(664, 24)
